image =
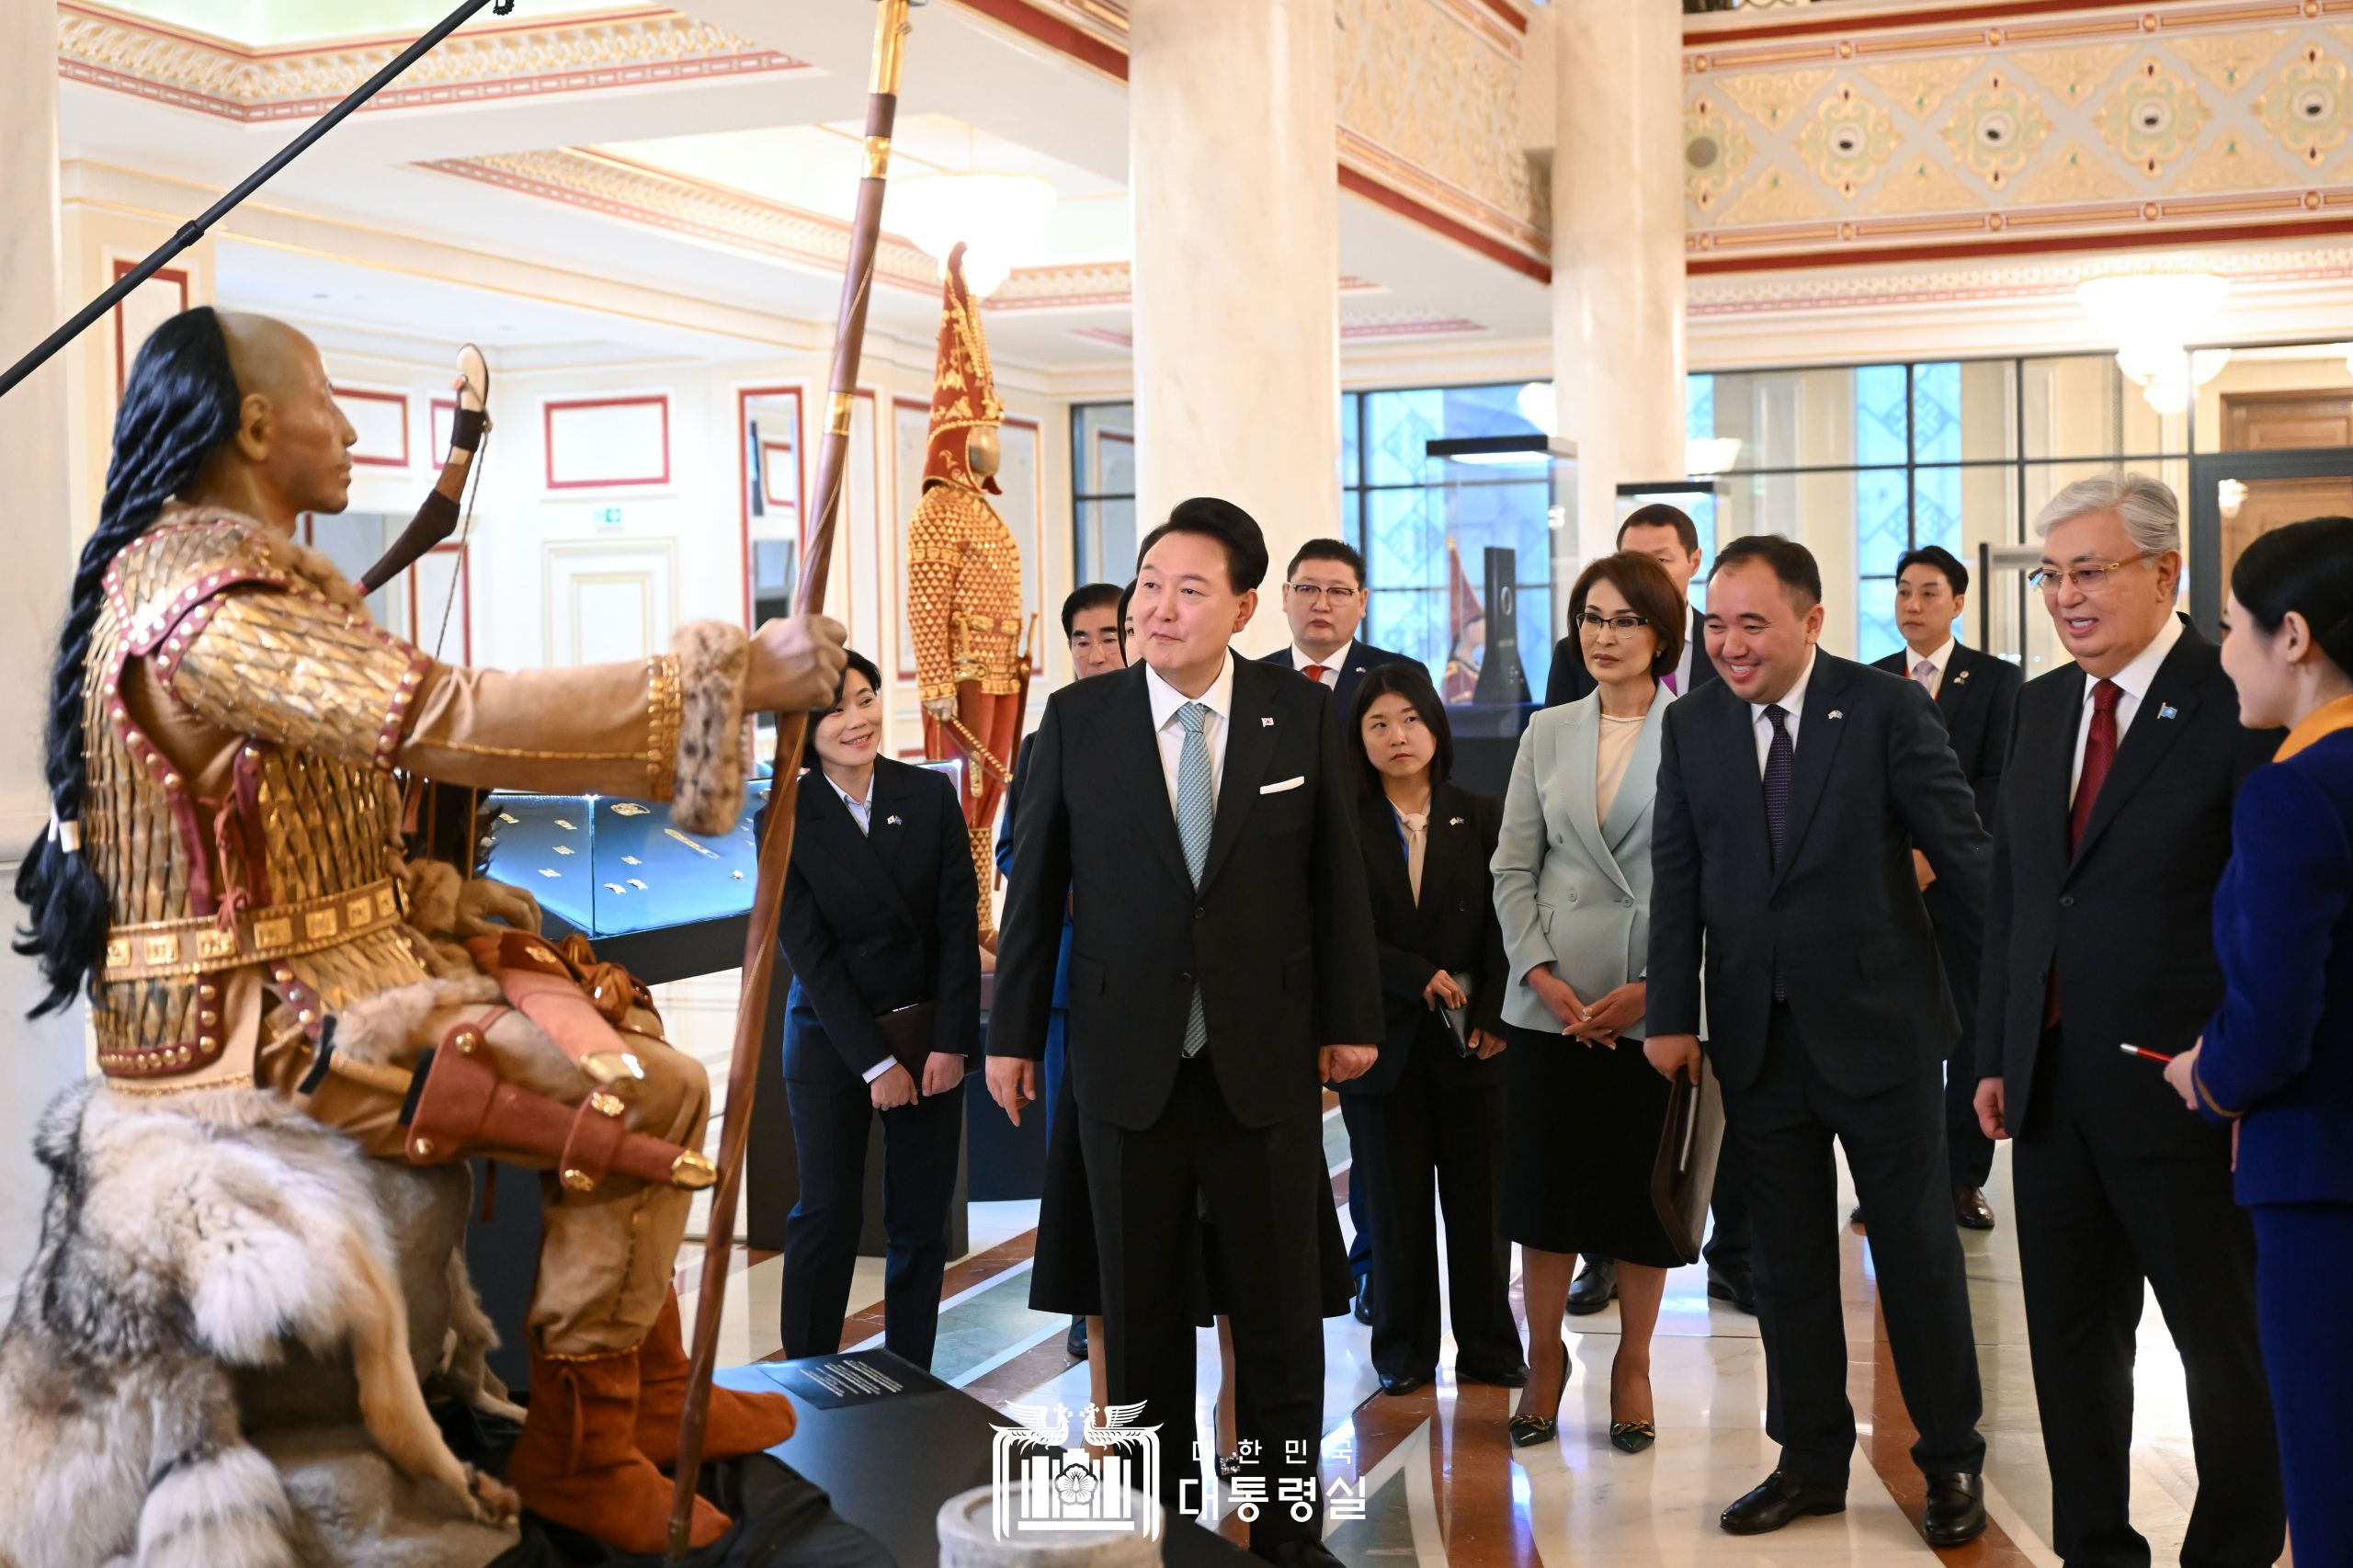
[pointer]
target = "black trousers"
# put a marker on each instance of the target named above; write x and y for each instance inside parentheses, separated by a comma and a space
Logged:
(921, 1144)
(1260, 1185)
(1785, 1123)
(1426, 1128)
(1968, 1151)
(2095, 1221)
(1729, 1238)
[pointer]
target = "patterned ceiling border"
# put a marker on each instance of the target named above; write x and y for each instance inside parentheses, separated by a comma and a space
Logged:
(1740, 295)
(1358, 329)
(1936, 134)
(612, 185)
(631, 48)
(1428, 109)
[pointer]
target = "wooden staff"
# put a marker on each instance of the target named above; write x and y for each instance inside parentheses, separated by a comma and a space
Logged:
(776, 849)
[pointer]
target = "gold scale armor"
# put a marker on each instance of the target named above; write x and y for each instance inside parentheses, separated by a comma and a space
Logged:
(963, 594)
(243, 719)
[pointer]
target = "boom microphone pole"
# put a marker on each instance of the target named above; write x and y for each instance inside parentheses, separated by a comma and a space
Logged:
(193, 230)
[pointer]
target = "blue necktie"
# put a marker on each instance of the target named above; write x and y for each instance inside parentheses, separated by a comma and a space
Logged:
(1781, 761)
(1196, 811)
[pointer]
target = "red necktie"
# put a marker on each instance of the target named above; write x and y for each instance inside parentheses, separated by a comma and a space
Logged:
(1315, 672)
(2099, 751)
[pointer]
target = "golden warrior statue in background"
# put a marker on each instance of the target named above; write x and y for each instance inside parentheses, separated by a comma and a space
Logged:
(964, 582)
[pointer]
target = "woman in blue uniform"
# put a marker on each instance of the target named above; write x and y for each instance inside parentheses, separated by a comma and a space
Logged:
(2277, 1062)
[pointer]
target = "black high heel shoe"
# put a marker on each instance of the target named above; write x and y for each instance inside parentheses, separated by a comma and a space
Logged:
(1528, 1431)
(1631, 1437)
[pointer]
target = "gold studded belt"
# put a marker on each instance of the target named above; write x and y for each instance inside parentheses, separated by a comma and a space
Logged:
(159, 949)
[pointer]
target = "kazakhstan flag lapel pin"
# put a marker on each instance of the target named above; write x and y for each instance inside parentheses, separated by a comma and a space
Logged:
(2168, 710)
(892, 821)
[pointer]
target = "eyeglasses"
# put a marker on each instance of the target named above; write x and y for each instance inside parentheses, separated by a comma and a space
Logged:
(2090, 579)
(1594, 621)
(1338, 598)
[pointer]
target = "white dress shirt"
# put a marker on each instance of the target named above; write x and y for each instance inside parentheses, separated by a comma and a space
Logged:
(861, 812)
(2134, 679)
(1793, 703)
(1301, 659)
(1167, 699)
(1941, 659)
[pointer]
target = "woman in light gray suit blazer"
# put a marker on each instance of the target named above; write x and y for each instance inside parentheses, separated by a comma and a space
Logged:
(1583, 1109)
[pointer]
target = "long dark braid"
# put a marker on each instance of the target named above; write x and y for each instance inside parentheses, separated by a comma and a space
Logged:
(181, 403)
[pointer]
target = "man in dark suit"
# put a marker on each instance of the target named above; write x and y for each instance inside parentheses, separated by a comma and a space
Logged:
(1973, 692)
(2113, 830)
(1200, 812)
(1790, 795)
(878, 916)
(1668, 536)
(1324, 600)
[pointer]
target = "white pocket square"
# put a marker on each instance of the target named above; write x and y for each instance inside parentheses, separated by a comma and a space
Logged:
(1286, 784)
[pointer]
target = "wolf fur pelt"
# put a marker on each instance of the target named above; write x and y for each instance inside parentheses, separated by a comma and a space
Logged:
(184, 1237)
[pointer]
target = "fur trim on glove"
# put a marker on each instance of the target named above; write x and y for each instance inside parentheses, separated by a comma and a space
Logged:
(713, 660)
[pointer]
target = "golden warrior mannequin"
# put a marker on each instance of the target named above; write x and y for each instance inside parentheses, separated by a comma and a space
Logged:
(964, 580)
(227, 874)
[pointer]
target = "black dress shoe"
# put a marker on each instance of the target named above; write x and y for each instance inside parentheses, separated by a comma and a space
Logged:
(1777, 1501)
(1076, 1340)
(1739, 1288)
(1956, 1513)
(1970, 1209)
(1364, 1303)
(1514, 1377)
(1298, 1554)
(1405, 1382)
(1595, 1286)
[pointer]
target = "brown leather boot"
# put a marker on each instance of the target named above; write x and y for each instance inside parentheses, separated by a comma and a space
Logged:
(740, 1422)
(577, 1464)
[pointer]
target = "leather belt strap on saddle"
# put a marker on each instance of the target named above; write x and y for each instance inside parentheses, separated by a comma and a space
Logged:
(158, 949)
(458, 1104)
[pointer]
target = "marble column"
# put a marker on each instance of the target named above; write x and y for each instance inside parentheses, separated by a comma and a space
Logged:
(1232, 160)
(36, 1059)
(1618, 250)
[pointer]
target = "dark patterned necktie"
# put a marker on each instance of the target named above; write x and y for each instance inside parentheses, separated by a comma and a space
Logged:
(1780, 762)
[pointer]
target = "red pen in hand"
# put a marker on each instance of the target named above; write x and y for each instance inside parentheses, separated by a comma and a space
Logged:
(2145, 1055)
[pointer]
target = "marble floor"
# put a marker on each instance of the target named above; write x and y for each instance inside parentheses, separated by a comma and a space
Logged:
(1440, 1482)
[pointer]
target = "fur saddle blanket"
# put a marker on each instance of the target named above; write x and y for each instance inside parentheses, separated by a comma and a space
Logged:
(186, 1241)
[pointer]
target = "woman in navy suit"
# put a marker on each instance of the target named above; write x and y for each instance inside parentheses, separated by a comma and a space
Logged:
(2276, 1061)
(879, 917)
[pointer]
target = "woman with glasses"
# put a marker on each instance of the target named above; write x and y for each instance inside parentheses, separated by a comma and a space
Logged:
(2277, 1062)
(1431, 1109)
(1572, 880)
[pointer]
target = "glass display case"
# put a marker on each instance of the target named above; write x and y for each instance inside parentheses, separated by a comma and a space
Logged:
(665, 903)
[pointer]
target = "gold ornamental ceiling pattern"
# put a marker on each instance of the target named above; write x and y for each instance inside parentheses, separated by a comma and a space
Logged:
(629, 47)
(2093, 127)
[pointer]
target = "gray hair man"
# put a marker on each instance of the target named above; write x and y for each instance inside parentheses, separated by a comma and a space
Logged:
(2112, 830)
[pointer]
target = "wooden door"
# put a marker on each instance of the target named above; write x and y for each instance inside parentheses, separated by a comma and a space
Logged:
(2283, 421)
